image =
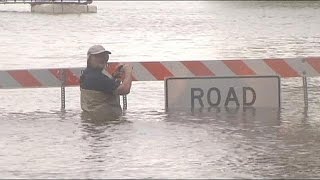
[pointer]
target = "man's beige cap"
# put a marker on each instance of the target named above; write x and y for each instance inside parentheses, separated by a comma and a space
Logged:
(97, 49)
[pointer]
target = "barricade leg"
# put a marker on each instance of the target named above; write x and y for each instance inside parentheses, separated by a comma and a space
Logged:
(124, 98)
(305, 91)
(63, 90)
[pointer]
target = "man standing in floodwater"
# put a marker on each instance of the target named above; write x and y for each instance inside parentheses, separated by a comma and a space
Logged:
(100, 94)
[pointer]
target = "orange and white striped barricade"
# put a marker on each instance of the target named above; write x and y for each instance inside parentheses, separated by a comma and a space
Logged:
(159, 70)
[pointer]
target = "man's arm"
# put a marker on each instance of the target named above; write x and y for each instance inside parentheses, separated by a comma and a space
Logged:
(125, 87)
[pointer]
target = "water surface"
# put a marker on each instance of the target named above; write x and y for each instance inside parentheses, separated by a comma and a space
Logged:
(39, 141)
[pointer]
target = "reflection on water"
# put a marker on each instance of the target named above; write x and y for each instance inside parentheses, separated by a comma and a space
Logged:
(216, 142)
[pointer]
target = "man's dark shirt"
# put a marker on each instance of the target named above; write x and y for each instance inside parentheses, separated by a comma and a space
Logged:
(94, 79)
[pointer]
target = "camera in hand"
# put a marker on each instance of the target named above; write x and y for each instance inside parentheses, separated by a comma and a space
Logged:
(117, 74)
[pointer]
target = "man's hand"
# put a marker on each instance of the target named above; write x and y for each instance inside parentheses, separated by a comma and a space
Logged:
(125, 87)
(127, 68)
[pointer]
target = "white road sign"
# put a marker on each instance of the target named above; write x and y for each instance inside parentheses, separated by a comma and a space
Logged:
(238, 91)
